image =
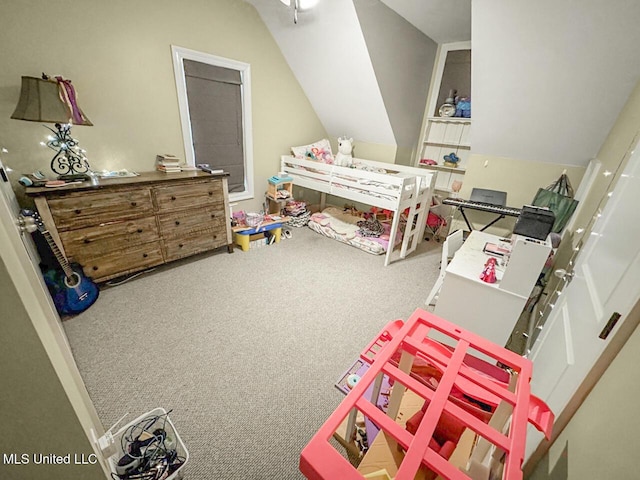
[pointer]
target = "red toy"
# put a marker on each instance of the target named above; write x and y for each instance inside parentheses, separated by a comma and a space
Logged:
(456, 369)
(489, 273)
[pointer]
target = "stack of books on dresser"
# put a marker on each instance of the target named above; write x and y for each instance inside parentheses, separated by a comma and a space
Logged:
(168, 163)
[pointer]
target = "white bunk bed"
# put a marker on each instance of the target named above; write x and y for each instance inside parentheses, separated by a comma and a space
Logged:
(383, 185)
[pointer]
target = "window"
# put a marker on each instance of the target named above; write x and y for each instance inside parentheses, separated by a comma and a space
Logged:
(214, 95)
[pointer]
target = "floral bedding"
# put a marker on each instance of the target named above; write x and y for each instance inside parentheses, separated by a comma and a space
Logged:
(338, 225)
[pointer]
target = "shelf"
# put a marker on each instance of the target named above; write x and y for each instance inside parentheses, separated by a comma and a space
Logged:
(444, 169)
(445, 144)
(450, 119)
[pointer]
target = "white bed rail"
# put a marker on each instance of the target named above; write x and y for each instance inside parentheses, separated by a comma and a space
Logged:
(384, 185)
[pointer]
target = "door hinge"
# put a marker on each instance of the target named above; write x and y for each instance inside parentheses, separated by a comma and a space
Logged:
(609, 326)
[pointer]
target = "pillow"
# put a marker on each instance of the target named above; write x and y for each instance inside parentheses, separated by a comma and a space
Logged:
(319, 151)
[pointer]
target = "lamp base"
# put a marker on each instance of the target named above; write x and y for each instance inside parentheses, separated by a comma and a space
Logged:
(74, 177)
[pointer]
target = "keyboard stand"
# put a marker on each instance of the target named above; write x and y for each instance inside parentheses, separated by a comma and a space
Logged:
(498, 218)
(483, 207)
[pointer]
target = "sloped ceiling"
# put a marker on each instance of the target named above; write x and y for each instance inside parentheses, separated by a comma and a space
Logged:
(329, 55)
(444, 21)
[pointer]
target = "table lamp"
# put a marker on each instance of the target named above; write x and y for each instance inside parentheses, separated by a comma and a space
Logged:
(54, 101)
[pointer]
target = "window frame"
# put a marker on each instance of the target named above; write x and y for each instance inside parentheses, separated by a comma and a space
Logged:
(179, 54)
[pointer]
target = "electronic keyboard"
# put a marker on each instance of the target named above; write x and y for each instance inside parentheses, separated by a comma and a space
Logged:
(485, 207)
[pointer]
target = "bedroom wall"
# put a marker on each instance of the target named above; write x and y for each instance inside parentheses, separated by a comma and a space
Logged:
(327, 51)
(118, 55)
(402, 58)
(47, 423)
(550, 78)
(548, 83)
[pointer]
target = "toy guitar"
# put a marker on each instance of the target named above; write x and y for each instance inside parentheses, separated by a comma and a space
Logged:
(71, 290)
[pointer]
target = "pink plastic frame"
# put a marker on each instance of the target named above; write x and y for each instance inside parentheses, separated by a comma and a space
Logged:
(319, 460)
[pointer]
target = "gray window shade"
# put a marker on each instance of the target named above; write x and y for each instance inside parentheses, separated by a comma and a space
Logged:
(214, 97)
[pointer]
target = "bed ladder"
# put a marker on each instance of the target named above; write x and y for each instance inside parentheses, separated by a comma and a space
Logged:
(416, 220)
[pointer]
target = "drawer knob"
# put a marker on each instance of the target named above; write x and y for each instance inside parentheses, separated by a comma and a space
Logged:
(177, 222)
(213, 215)
(78, 211)
(210, 193)
(145, 255)
(95, 268)
(139, 230)
(181, 245)
(86, 240)
(133, 204)
(173, 197)
(215, 236)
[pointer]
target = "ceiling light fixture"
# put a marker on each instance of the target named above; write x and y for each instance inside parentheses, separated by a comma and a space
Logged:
(299, 6)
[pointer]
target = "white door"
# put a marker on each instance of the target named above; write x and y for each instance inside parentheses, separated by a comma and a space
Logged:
(13, 207)
(25, 275)
(604, 285)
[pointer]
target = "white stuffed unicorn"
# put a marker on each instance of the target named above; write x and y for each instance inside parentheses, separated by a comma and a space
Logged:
(344, 157)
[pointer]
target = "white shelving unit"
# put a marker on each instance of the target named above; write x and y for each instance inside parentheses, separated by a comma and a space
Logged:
(445, 135)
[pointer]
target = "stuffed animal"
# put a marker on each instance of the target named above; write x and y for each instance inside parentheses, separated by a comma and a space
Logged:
(344, 157)
(463, 107)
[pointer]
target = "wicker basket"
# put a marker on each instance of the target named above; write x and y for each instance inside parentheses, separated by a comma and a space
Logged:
(301, 220)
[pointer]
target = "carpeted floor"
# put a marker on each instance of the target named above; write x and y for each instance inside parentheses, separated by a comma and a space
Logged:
(245, 347)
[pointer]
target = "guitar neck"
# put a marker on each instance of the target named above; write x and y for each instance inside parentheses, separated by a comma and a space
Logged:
(62, 260)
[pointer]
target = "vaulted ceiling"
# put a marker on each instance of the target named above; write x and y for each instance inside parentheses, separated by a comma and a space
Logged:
(343, 54)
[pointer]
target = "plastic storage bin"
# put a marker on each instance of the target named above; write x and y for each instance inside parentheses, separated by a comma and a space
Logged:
(463, 383)
(157, 418)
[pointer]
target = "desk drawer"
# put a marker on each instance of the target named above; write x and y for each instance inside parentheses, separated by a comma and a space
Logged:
(107, 237)
(123, 261)
(200, 242)
(189, 195)
(82, 209)
(177, 224)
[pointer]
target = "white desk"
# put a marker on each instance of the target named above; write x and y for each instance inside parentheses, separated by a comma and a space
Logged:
(490, 309)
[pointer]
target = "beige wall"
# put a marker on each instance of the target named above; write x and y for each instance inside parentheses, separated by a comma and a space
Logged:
(613, 155)
(118, 55)
(374, 151)
(602, 438)
(519, 178)
(36, 415)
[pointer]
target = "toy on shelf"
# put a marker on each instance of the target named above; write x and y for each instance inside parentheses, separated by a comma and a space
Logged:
(463, 107)
(280, 187)
(444, 403)
(451, 160)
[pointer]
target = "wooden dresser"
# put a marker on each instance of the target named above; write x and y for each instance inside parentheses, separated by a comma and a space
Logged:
(118, 226)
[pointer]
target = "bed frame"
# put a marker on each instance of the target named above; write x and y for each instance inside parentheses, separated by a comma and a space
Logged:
(399, 188)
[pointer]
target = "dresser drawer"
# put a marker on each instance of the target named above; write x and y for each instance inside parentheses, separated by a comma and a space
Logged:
(82, 209)
(200, 242)
(106, 237)
(177, 224)
(189, 195)
(122, 262)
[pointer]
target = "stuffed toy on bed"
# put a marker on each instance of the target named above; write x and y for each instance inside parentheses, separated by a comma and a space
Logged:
(344, 157)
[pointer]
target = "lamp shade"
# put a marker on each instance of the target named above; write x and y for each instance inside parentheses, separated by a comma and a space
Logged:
(40, 101)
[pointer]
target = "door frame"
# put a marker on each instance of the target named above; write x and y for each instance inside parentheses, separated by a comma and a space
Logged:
(610, 352)
(48, 326)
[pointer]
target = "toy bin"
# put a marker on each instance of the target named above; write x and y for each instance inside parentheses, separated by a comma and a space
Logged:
(449, 413)
(148, 448)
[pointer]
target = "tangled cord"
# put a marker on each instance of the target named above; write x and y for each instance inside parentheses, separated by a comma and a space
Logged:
(151, 458)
